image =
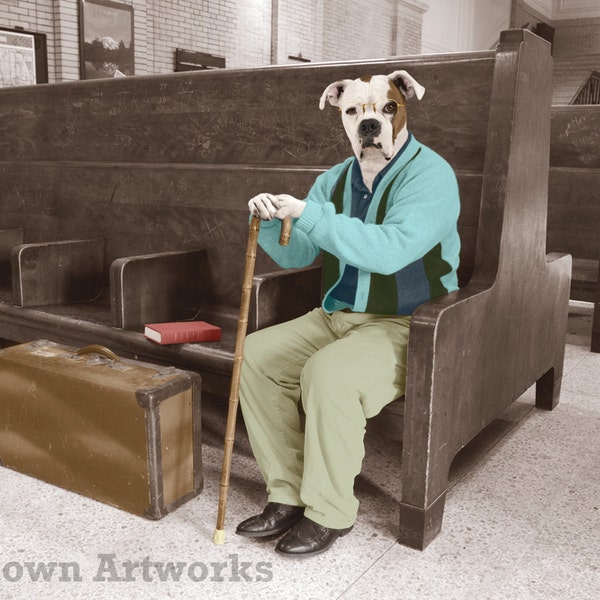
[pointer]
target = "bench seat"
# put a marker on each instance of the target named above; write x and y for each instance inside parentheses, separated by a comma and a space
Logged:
(78, 323)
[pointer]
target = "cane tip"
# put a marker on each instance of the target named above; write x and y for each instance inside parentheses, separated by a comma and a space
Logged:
(219, 536)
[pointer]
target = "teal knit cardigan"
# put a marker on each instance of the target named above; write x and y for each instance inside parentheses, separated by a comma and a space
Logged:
(407, 249)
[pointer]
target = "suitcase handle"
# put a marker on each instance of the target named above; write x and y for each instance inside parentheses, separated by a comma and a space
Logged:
(97, 349)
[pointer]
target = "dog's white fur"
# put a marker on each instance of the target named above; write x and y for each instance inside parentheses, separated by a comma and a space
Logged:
(382, 99)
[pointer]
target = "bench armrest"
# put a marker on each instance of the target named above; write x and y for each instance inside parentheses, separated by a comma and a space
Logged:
(158, 287)
(57, 272)
(283, 295)
(474, 351)
(9, 238)
(485, 329)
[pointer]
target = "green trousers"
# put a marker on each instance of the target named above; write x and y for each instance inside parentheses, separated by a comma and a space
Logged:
(306, 390)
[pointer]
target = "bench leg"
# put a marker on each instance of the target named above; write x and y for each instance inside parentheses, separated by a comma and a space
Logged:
(596, 325)
(419, 526)
(596, 340)
(547, 390)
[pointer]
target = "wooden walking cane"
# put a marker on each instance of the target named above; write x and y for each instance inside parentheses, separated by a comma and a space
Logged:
(286, 225)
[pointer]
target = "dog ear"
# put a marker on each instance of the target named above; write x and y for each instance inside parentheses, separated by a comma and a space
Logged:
(407, 84)
(333, 93)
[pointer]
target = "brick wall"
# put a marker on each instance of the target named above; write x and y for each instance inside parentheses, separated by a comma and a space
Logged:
(409, 27)
(410, 37)
(363, 30)
(522, 14)
(298, 30)
(66, 39)
(576, 56)
(253, 35)
(572, 37)
(200, 26)
(246, 33)
(576, 49)
(576, 37)
(37, 17)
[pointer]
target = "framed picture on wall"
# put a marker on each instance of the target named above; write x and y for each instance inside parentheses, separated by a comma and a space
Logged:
(17, 59)
(106, 39)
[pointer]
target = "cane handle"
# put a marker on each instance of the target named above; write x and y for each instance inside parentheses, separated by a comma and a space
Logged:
(286, 231)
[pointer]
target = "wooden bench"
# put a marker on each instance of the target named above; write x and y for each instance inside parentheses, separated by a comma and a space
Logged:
(165, 164)
(574, 201)
(159, 166)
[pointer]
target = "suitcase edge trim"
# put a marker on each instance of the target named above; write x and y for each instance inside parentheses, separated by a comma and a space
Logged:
(149, 401)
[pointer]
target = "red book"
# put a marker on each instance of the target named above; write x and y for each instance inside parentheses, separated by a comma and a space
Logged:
(181, 332)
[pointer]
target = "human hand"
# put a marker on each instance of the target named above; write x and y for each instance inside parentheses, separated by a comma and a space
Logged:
(279, 206)
(262, 206)
(288, 206)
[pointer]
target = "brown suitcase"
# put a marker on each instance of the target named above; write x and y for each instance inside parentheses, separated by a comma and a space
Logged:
(121, 431)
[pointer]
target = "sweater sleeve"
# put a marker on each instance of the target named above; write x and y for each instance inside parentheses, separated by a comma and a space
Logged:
(302, 249)
(423, 209)
(300, 252)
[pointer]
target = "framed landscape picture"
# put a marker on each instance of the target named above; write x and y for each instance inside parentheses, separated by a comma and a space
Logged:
(106, 39)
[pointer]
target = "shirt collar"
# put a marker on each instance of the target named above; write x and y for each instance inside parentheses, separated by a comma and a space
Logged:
(358, 184)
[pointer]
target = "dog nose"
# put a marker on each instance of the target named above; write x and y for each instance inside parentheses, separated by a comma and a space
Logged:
(369, 128)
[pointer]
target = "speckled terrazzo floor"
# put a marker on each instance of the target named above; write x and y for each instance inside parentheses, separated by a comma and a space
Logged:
(522, 520)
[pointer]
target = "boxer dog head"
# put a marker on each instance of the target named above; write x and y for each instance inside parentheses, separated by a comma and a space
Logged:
(373, 113)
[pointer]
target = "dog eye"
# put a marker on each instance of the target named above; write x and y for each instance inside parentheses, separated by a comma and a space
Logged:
(390, 108)
(351, 110)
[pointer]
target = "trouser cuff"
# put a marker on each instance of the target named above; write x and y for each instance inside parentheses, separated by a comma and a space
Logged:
(330, 521)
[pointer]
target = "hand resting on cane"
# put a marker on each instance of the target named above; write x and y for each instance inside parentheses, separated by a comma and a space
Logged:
(279, 206)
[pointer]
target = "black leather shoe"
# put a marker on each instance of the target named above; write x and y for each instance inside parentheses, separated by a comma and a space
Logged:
(308, 538)
(274, 520)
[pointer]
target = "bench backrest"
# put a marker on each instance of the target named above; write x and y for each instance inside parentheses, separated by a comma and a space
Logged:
(574, 193)
(168, 162)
